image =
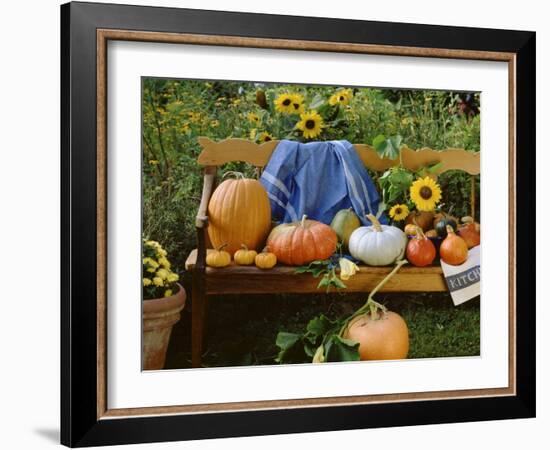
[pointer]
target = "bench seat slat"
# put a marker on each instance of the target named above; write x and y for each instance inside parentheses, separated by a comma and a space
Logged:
(236, 279)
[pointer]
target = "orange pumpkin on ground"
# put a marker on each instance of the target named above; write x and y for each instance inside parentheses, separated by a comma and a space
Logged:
(302, 242)
(420, 250)
(385, 336)
(239, 213)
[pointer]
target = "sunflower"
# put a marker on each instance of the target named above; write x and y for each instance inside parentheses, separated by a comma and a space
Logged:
(425, 193)
(253, 117)
(399, 212)
(265, 137)
(311, 124)
(298, 103)
(283, 103)
(341, 97)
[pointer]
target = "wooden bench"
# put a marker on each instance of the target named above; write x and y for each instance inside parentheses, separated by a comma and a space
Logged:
(282, 279)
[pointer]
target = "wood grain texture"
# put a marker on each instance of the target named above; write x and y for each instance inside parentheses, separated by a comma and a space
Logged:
(292, 44)
(235, 149)
(127, 35)
(236, 279)
(207, 189)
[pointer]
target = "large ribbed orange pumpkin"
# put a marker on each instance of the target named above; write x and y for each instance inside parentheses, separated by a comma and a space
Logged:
(299, 243)
(239, 214)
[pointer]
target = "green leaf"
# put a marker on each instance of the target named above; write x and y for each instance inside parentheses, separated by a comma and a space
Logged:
(317, 102)
(320, 325)
(286, 340)
(378, 141)
(387, 148)
(340, 349)
(435, 167)
(335, 281)
(292, 348)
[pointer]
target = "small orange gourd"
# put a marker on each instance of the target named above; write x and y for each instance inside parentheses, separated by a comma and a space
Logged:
(420, 250)
(244, 256)
(266, 259)
(453, 249)
(469, 231)
(217, 257)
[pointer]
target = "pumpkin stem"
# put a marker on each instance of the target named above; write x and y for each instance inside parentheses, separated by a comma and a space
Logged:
(450, 229)
(371, 305)
(266, 249)
(375, 223)
(244, 247)
(386, 279)
(303, 220)
(221, 247)
(420, 233)
(467, 219)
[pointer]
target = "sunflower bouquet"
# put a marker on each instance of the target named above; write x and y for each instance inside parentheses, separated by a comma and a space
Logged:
(291, 116)
(158, 279)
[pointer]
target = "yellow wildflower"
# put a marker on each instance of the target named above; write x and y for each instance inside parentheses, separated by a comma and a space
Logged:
(158, 281)
(162, 273)
(399, 212)
(283, 104)
(265, 137)
(147, 282)
(341, 97)
(168, 292)
(311, 124)
(172, 277)
(425, 193)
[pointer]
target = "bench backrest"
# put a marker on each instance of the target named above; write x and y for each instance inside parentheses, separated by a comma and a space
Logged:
(233, 149)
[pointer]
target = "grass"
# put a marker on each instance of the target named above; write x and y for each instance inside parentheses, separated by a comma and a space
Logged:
(242, 329)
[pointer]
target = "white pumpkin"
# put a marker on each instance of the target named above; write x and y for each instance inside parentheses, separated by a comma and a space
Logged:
(377, 245)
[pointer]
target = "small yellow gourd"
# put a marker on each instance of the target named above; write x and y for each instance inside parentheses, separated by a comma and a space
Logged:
(266, 259)
(244, 257)
(218, 257)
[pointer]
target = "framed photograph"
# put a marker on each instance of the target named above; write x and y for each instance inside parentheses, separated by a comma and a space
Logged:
(272, 224)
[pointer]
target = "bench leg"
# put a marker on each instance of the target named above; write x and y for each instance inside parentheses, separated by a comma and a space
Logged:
(197, 326)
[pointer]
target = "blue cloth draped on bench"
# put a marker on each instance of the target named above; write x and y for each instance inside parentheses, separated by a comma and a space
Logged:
(318, 179)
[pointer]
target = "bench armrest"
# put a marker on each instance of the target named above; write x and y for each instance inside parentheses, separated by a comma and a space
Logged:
(208, 186)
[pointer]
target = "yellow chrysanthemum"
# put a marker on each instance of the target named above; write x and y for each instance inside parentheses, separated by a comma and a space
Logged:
(153, 244)
(253, 117)
(161, 253)
(311, 124)
(341, 97)
(158, 281)
(168, 292)
(162, 273)
(297, 103)
(347, 268)
(399, 212)
(265, 137)
(173, 277)
(283, 104)
(164, 262)
(147, 282)
(425, 193)
(252, 134)
(150, 262)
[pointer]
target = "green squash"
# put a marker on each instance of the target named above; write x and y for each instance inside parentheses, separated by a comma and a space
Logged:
(344, 223)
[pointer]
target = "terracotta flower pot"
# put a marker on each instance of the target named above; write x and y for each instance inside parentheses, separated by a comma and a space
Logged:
(159, 316)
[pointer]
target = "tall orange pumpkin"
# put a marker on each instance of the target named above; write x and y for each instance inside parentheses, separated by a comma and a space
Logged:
(302, 242)
(239, 214)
